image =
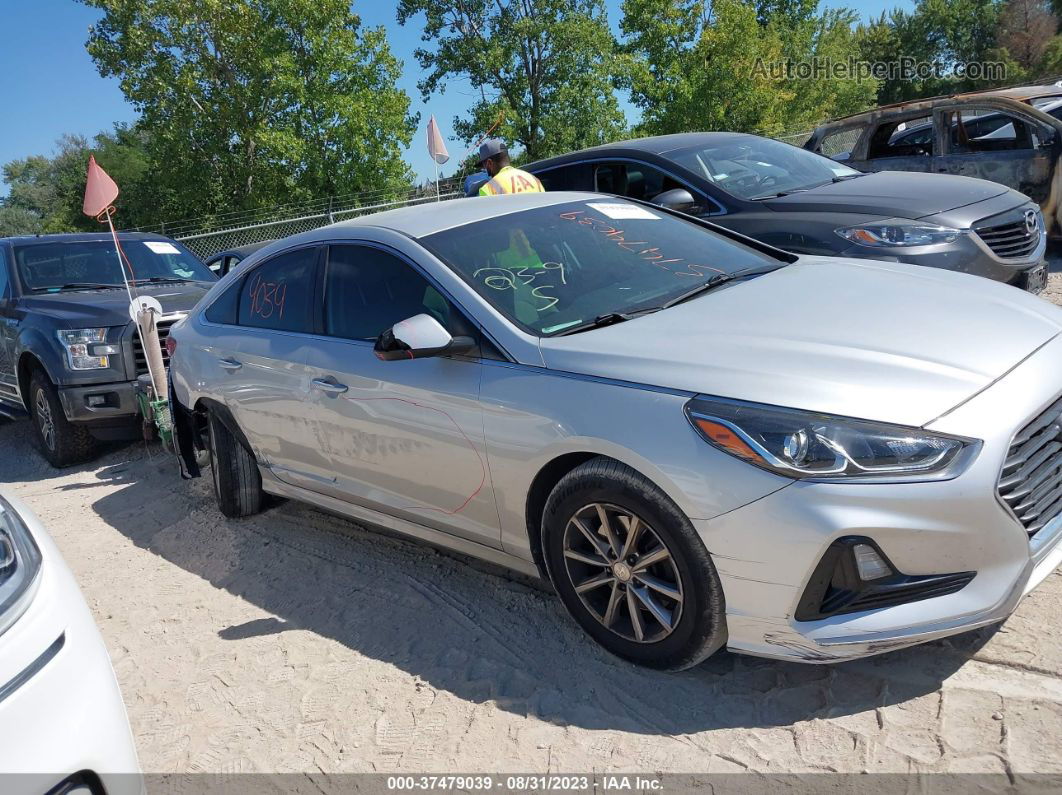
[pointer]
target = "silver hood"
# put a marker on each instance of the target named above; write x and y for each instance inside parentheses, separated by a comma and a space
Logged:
(877, 340)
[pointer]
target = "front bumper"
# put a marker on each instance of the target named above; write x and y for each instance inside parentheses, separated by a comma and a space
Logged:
(119, 402)
(60, 708)
(765, 552)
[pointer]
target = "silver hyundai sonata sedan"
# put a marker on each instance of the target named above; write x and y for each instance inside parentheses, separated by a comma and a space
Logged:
(701, 441)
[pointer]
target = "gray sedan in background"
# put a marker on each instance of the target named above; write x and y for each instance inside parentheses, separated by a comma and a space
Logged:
(700, 440)
(809, 204)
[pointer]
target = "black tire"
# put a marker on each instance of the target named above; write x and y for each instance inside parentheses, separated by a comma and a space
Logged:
(698, 619)
(237, 481)
(61, 442)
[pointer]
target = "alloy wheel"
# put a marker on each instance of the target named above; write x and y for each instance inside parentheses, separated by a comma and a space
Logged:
(623, 572)
(44, 419)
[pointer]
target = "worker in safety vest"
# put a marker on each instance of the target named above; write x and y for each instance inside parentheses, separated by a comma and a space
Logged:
(494, 159)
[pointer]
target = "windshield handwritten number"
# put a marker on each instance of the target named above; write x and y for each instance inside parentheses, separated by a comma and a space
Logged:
(267, 297)
(505, 279)
(652, 254)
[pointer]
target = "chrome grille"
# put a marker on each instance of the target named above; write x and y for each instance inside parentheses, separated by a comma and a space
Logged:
(1012, 239)
(1031, 482)
(163, 327)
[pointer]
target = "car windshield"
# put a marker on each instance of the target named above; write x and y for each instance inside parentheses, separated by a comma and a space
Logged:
(551, 269)
(51, 267)
(758, 168)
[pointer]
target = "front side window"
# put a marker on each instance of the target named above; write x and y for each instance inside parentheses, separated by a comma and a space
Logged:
(368, 290)
(279, 294)
(753, 168)
(53, 267)
(552, 268)
(985, 130)
(5, 282)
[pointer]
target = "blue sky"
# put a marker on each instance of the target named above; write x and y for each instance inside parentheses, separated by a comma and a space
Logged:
(50, 85)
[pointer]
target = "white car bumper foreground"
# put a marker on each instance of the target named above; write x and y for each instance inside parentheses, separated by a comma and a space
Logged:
(62, 720)
(767, 552)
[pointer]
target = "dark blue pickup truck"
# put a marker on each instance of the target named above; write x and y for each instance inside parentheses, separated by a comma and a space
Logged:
(69, 354)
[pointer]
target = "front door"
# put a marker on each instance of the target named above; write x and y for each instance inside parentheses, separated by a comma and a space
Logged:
(999, 146)
(8, 323)
(267, 384)
(404, 437)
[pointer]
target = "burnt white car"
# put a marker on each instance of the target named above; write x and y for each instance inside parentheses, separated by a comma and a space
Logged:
(702, 441)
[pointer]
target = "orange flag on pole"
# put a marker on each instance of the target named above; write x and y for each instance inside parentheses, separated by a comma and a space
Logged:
(100, 190)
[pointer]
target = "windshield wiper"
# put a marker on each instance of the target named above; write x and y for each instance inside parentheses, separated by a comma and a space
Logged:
(611, 318)
(79, 286)
(161, 280)
(717, 281)
(782, 193)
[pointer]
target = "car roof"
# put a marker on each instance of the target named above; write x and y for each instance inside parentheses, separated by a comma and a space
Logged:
(1018, 93)
(430, 217)
(655, 144)
(80, 237)
(242, 251)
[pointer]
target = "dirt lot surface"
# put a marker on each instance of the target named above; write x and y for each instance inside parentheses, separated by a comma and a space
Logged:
(295, 641)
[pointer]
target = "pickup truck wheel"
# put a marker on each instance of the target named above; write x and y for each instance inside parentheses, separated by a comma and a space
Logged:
(631, 569)
(62, 442)
(237, 481)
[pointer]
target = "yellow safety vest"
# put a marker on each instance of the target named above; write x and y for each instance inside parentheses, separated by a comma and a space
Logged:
(511, 180)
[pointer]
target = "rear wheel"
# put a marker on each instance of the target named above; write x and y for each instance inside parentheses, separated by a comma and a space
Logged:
(237, 481)
(630, 568)
(62, 442)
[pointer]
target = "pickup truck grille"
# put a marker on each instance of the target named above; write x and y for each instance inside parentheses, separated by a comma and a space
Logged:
(163, 326)
(1031, 481)
(1010, 240)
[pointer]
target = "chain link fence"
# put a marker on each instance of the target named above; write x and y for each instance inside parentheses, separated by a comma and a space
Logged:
(210, 235)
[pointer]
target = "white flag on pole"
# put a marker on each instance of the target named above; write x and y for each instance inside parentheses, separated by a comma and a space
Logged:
(436, 147)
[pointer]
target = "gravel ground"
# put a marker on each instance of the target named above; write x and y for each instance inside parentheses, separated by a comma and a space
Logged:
(295, 641)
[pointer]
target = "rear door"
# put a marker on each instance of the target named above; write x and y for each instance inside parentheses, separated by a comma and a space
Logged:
(404, 437)
(909, 143)
(266, 381)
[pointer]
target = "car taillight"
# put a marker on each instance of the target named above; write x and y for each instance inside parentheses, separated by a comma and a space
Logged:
(171, 346)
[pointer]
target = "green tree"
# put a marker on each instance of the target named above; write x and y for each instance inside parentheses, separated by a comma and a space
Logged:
(939, 32)
(18, 221)
(546, 68)
(256, 102)
(52, 189)
(733, 64)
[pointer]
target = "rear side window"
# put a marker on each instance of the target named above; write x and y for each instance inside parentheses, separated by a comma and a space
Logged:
(279, 293)
(223, 310)
(838, 145)
(907, 138)
(573, 177)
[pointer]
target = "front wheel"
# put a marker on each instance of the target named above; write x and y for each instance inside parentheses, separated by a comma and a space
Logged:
(62, 442)
(630, 568)
(237, 481)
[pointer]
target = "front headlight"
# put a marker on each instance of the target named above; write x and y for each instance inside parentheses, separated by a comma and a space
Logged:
(86, 348)
(802, 444)
(20, 560)
(898, 232)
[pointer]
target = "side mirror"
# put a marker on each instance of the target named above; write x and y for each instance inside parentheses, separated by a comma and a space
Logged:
(419, 337)
(675, 199)
(841, 157)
